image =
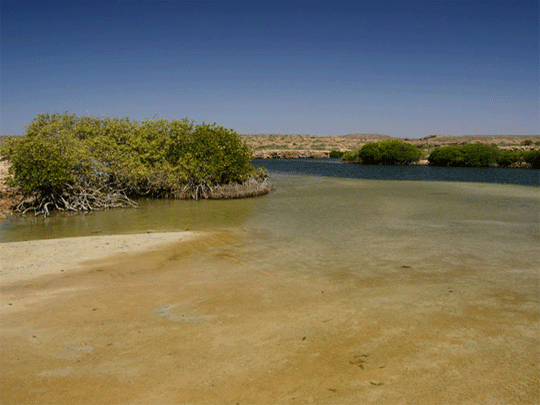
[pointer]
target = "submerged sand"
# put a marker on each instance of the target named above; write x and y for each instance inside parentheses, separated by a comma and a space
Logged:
(175, 318)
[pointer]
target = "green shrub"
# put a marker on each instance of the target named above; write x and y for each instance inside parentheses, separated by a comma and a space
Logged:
(526, 142)
(47, 157)
(351, 156)
(336, 154)
(479, 155)
(217, 156)
(470, 155)
(387, 152)
(370, 154)
(446, 156)
(533, 158)
(62, 154)
(396, 152)
(506, 158)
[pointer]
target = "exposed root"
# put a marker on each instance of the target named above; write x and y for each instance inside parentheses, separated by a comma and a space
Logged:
(75, 198)
(79, 198)
(251, 188)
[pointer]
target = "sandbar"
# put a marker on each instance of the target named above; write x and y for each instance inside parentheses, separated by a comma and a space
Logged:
(35, 258)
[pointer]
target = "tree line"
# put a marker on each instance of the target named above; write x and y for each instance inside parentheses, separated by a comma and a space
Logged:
(397, 152)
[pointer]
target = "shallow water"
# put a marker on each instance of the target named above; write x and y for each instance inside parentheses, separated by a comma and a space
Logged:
(329, 290)
(320, 222)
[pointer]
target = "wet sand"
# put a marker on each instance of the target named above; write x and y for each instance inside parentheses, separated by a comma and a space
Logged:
(186, 321)
(31, 259)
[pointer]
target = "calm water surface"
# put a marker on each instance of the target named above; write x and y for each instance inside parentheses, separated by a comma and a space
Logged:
(429, 276)
(334, 168)
(316, 221)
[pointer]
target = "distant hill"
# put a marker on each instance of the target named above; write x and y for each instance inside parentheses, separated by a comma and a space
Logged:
(275, 142)
(367, 137)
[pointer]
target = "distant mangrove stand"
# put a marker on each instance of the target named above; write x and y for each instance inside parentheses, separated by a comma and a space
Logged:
(397, 152)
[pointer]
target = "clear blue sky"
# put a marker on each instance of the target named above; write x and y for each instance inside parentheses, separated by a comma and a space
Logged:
(402, 68)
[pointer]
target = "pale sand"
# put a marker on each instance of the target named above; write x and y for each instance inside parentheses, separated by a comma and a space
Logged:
(26, 260)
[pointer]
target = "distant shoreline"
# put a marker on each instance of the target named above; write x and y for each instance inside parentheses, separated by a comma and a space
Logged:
(283, 146)
(316, 146)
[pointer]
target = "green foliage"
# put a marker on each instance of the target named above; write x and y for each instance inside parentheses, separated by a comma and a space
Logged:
(479, 155)
(387, 152)
(446, 156)
(470, 155)
(533, 158)
(336, 154)
(396, 152)
(153, 157)
(506, 158)
(217, 156)
(526, 142)
(370, 154)
(350, 156)
(47, 157)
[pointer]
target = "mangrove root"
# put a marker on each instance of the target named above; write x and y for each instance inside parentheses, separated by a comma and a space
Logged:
(74, 198)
